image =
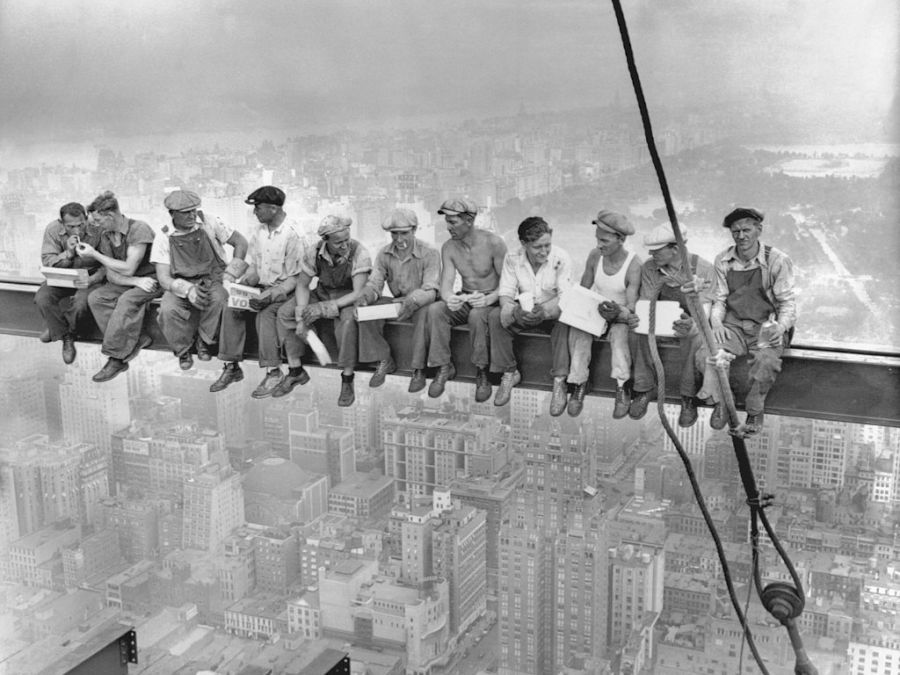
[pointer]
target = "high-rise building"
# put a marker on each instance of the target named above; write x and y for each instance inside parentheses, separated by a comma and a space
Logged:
(425, 448)
(93, 556)
(362, 495)
(321, 448)
(153, 459)
(830, 443)
(277, 560)
(136, 522)
(459, 556)
(635, 589)
(213, 507)
(91, 414)
(23, 404)
(223, 412)
(278, 492)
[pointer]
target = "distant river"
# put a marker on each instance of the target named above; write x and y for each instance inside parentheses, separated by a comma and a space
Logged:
(846, 150)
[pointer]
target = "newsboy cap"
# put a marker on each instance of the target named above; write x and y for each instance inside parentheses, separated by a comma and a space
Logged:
(613, 222)
(267, 194)
(332, 224)
(741, 213)
(663, 235)
(458, 206)
(399, 220)
(182, 200)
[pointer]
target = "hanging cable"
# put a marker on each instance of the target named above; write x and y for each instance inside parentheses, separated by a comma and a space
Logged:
(782, 600)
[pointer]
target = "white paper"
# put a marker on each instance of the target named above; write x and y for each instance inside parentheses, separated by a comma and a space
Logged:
(318, 347)
(667, 312)
(239, 295)
(375, 312)
(66, 278)
(526, 301)
(579, 307)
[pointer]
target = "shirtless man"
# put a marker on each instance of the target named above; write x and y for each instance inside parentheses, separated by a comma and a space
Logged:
(478, 257)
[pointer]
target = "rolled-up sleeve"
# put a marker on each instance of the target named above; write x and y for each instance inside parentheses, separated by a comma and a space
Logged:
(719, 289)
(431, 279)
(308, 261)
(52, 254)
(375, 283)
(781, 270)
(509, 281)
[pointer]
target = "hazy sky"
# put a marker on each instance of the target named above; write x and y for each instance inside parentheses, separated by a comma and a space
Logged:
(73, 68)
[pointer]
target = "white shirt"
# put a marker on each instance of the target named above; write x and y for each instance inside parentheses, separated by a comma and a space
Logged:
(550, 280)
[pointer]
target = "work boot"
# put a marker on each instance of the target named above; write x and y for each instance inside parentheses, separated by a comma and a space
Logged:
(639, 402)
(688, 415)
(68, 349)
(348, 395)
(186, 361)
(509, 380)
(576, 400)
(620, 409)
(45, 336)
(483, 386)
(269, 382)
(230, 373)
(719, 418)
(143, 342)
(294, 377)
(559, 397)
(203, 350)
(753, 424)
(444, 373)
(112, 368)
(382, 370)
(417, 381)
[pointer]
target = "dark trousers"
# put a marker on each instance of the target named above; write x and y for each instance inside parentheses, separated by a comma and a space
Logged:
(269, 335)
(62, 308)
(373, 347)
(645, 373)
(441, 320)
(345, 330)
(119, 312)
(764, 364)
(181, 322)
(503, 357)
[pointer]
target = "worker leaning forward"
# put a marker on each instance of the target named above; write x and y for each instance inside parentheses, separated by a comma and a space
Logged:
(64, 308)
(615, 273)
(411, 268)
(531, 283)
(663, 278)
(273, 256)
(190, 266)
(119, 304)
(342, 266)
(754, 309)
(477, 255)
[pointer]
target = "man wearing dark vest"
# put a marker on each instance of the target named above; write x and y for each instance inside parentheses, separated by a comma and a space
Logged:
(342, 266)
(663, 278)
(119, 305)
(64, 308)
(754, 308)
(273, 258)
(190, 266)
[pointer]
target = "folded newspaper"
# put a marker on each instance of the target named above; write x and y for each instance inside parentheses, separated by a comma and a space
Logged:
(579, 307)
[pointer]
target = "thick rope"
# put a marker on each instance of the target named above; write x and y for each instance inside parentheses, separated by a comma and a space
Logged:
(695, 487)
(782, 601)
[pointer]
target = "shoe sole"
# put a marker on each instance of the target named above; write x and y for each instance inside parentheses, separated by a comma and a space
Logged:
(237, 379)
(111, 377)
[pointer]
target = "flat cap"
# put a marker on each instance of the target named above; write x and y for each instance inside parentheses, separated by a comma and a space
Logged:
(182, 200)
(332, 224)
(267, 194)
(662, 235)
(400, 220)
(458, 206)
(741, 213)
(613, 222)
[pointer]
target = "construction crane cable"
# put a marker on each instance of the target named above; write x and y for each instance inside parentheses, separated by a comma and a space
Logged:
(698, 493)
(783, 601)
